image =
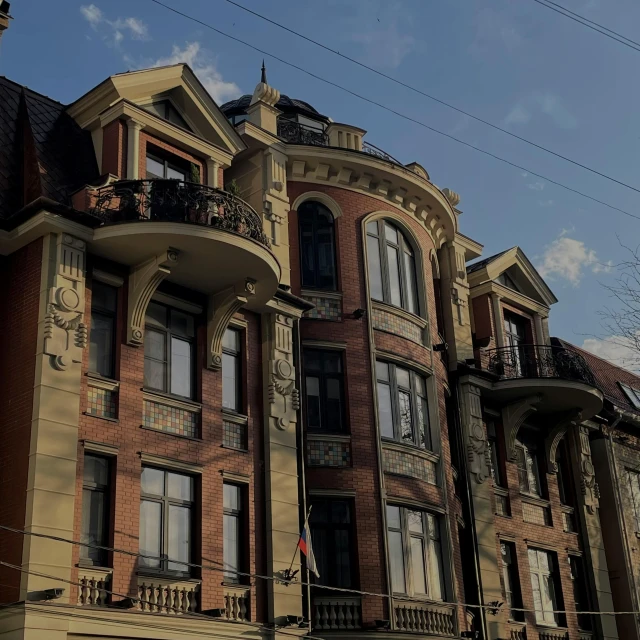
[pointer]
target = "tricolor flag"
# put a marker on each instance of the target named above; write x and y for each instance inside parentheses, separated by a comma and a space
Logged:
(307, 549)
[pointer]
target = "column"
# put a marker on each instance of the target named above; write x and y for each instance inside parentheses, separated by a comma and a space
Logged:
(212, 172)
(498, 320)
(133, 149)
(537, 323)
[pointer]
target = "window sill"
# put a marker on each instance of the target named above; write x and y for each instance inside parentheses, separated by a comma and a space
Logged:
(171, 400)
(238, 449)
(92, 415)
(532, 499)
(399, 311)
(85, 564)
(322, 293)
(100, 382)
(169, 577)
(336, 437)
(410, 449)
(234, 416)
(168, 433)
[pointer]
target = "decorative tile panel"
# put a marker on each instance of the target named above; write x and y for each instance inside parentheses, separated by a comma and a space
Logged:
(170, 419)
(393, 323)
(326, 308)
(328, 453)
(102, 403)
(502, 505)
(536, 514)
(234, 435)
(405, 464)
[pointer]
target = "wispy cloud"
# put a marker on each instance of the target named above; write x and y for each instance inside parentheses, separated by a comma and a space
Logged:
(541, 103)
(546, 203)
(204, 66)
(536, 186)
(619, 350)
(518, 115)
(494, 29)
(114, 31)
(568, 259)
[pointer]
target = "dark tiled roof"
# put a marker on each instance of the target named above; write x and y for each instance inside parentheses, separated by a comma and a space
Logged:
(43, 152)
(608, 376)
(285, 104)
(485, 261)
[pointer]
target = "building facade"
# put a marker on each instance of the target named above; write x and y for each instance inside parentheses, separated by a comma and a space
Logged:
(216, 322)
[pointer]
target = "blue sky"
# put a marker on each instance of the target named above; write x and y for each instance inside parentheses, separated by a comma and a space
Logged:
(511, 62)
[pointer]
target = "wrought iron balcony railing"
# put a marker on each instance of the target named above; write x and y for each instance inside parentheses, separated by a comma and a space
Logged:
(177, 201)
(297, 133)
(372, 150)
(536, 361)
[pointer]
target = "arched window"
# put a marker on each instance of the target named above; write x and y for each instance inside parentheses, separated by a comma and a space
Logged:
(392, 269)
(317, 246)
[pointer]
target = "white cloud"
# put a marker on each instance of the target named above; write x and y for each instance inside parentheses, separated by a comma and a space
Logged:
(619, 350)
(543, 103)
(113, 31)
(569, 258)
(203, 65)
(494, 28)
(518, 115)
(536, 186)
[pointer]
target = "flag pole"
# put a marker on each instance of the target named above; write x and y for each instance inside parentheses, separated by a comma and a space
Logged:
(298, 545)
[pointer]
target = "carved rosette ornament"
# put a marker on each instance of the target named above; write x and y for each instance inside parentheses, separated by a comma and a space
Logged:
(65, 333)
(588, 485)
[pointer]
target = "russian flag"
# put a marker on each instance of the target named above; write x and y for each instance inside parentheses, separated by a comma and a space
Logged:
(307, 549)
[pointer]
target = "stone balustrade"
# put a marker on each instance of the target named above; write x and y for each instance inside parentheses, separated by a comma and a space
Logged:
(428, 618)
(517, 631)
(167, 596)
(336, 613)
(237, 601)
(94, 586)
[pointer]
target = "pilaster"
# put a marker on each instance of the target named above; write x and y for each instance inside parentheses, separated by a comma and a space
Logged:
(133, 149)
(498, 321)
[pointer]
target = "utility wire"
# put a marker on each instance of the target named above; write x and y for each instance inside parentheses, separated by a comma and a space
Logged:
(273, 578)
(426, 95)
(585, 22)
(397, 113)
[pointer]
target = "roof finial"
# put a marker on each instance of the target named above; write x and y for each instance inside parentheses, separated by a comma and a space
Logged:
(263, 77)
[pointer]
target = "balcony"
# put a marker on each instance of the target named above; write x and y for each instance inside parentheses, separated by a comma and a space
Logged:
(336, 614)
(425, 618)
(218, 238)
(296, 133)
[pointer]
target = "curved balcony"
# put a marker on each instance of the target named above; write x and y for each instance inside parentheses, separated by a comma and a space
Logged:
(218, 237)
(560, 376)
(296, 133)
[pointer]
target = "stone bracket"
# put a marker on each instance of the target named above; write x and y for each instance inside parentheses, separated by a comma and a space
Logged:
(513, 415)
(571, 418)
(222, 307)
(144, 279)
(478, 454)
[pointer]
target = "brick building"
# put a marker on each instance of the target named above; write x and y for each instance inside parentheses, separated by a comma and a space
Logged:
(215, 320)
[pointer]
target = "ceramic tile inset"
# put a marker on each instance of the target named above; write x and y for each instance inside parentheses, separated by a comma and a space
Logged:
(234, 435)
(326, 308)
(405, 464)
(101, 403)
(328, 453)
(535, 514)
(170, 419)
(392, 323)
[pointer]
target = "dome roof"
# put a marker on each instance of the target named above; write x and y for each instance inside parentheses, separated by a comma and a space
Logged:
(285, 104)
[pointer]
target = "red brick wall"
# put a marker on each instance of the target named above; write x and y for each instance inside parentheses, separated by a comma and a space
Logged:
(114, 149)
(363, 475)
(19, 303)
(146, 139)
(131, 439)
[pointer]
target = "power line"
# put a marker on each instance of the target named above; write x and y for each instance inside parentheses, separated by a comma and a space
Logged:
(590, 24)
(430, 97)
(397, 113)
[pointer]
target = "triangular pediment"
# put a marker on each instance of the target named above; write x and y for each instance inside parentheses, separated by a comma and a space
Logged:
(512, 270)
(177, 86)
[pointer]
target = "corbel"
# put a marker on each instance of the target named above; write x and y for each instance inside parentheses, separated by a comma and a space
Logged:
(513, 416)
(556, 434)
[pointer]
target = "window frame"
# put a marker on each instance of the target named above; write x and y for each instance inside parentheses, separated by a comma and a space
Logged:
(239, 358)
(532, 451)
(510, 579)
(164, 159)
(581, 595)
(395, 391)
(165, 502)
(549, 578)
(241, 519)
(432, 547)
(169, 334)
(315, 218)
(111, 314)
(323, 377)
(496, 468)
(633, 477)
(105, 490)
(633, 395)
(403, 246)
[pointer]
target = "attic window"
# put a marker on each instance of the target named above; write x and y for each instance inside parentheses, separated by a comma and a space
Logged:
(506, 280)
(166, 110)
(632, 394)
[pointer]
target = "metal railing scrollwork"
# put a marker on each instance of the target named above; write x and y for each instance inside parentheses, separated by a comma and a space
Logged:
(297, 133)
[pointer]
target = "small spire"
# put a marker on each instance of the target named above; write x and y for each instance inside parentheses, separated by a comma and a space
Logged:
(263, 77)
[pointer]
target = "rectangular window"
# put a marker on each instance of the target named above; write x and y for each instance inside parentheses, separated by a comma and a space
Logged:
(528, 466)
(102, 343)
(512, 593)
(544, 583)
(580, 592)
(324, 385)
(415, 553)
(166, 513)
(95, 509)
(496, 467)
(234, 540)
(634, 487)
(169, 343)
(403, 410)
(158, 167)
(331, 525)
(232, 370)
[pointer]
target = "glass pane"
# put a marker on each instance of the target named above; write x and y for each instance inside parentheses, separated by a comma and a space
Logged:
(312, 360)
(393, 517)
(340, 512)
(96, 470)
(179, 537)
(533, 558)
(385, 414)
(176, 174)
(179, 486)
(419, 385)
(382, 371)
(410, 283)
(548, 600)
(182, 324)
(372, 227)
(402, 377)
(154, 374)
(155, 345)
(181, 369)
(231, 496)
(332, 362)
(156, 315)
(406, 417)
(375, 269)
(414, 520)
(537, 597)
(155, 169)
(423, 424)
(435, 570)
(231, 340)
(334, 404)
(532, 472)
(152, 481)
(150, 533)
(307, 255)
(326, 260)
(397, 562)
(390, 233)
(94, 516)
(313, 403)
(417, 566)
(319, 513)
(230, 381)
(231, 547)
(103, 296)
(394, 276)
(101, 345)
(342, 554)
(323, 556)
